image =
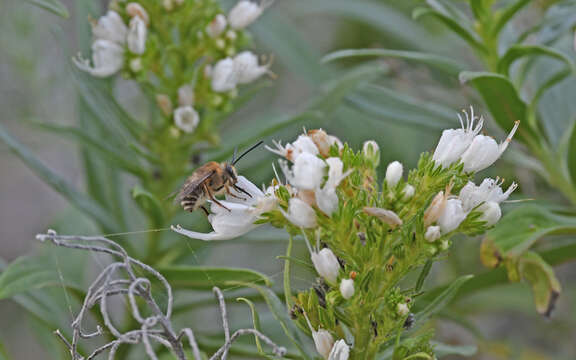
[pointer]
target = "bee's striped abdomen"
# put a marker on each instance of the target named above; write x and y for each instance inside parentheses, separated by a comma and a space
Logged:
(193, 201)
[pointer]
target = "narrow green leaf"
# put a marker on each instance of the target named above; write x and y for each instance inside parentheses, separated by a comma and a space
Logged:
(149, 204)
(287, 287)
(545, 286)
(438, 61)
(520, 51)
(205, 277)
(53, 6)
(423, 275)
(502, 99)
(77, 199)
(505, 15)
(571, 159)
(30, 273)
(256, 323)
(442, 299)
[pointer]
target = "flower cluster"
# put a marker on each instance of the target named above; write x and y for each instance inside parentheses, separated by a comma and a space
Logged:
(185, 54)
(364, 236)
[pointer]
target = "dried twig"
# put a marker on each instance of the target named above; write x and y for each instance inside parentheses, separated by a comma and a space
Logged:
(155, 329)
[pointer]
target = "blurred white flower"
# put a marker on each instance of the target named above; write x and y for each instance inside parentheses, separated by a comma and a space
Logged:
(239, 220)
(107, 59)
(402, 309)
(110, 27)
(408, 192)
(300, 214)
(186, 118)
(454, 142)
(491, 212)
(185, 95)
(340, 351)
(432, 233)
(224, 76)
(371, 151)
(136, 37)
(452, 216)
(247, 68)
(245, 13)
(323, 340)
(304, 144)
(394, 173)
(217, 26)
(164, 103)
(347, 288)
(136, 64)
(134, 9)
(484, 151)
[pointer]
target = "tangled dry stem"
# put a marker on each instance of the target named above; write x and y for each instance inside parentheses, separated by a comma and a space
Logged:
(120, 279)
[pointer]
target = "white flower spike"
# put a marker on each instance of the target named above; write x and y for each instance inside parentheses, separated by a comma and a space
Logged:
(107, 59)
(245, 13)
(186, 118)
(484, 151)
(323, 340)
(110, 27)
(340, 351)
(454, 142)
(244, 211)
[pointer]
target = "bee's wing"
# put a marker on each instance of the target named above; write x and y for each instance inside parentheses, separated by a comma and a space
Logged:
(192, 183)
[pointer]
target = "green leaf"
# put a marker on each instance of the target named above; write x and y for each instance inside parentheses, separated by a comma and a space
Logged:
(519, 51)
(77, 199)
(256, 323)
(571, 159)
(423, 275)
(281, 315)
(30, 273)
(441, 62)
(504, 16)
(205, 277)
(442, 299)
(53, 6)
(502, 99)
(545, 286)
(519, 229)
(149, 204)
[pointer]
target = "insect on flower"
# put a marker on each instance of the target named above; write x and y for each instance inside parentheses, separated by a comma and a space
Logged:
(209, 180)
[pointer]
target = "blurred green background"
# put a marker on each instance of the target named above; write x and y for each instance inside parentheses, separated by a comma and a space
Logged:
(403, 105)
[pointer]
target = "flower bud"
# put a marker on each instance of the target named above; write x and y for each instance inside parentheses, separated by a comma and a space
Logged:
(408, 192)
(452, 216)
(300, 214)
(394, 173)
(247, 68)
(217, 26)
(326, 264)
(437, 206)
(387, 216)
(224, 76)
(134, 9)
(321, 140)
(136, 65)
(432, 233)
(244, 13)
(110, 27)
(168, 5)
(402, 309)
(136, 37)
(340, 351)
(491, 212)
(186, 118)
(371, 151)
(185, 95)
(347, 288)
(484, 151)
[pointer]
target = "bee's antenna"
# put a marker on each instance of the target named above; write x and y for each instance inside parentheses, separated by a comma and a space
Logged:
(235, 160)
(234, 155)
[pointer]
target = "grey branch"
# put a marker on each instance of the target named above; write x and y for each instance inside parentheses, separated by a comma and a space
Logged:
(120, 279)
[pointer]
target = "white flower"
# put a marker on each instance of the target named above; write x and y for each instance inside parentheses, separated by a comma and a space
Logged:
(107, 59)
(186, 118)
(371, 151)
(491, 212)
(452, 216)
(323, 340)
(408, 192)
(340, 351)
(239, 220)
(326, 197)
(185, 95)
(245, 13)
(300, 214)
(136, 38)
(484, 151)
(454, 142)
(347, 288)
(402, 309)
(437, 206)
(488, 191)
(217, 26)
(394, 173)
(307, 172)
(224, 76)
(432, 233)
(325, 262)
(304, 144)
(134, 9)
(110, 27)
(247, 68)
(136, 64)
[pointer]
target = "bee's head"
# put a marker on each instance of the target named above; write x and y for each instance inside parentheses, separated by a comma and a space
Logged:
(230, 172)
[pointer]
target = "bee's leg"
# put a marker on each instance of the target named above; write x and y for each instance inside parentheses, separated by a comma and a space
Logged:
(205, 210)
(207, 191)
(233, 195)
(238, 188)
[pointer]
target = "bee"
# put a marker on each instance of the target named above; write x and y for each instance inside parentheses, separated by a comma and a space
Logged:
(210, 180)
